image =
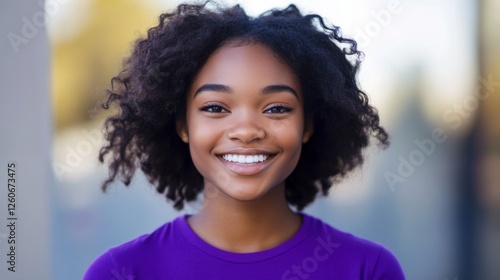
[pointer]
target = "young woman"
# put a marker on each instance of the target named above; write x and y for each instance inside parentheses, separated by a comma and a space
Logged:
(257, 114)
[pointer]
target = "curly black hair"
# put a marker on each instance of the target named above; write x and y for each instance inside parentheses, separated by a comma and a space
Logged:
(152, 86)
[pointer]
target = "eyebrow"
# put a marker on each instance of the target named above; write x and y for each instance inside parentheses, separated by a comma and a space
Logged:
(265, 91)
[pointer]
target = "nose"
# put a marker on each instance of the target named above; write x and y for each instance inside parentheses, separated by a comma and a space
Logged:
(246, 129)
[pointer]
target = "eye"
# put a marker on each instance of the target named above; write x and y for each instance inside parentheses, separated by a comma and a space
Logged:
(213, 108)
(279, 109)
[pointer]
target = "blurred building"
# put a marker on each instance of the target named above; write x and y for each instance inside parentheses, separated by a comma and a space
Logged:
(432, 68)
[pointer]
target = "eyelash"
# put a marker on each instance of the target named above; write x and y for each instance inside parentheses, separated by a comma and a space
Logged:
(282, 108)
(210, 106)
(216, 108)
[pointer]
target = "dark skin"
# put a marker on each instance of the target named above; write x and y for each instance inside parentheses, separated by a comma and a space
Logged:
(247, 227)
(245, 129)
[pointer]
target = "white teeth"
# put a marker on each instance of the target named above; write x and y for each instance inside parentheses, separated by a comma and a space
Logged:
(245, 159)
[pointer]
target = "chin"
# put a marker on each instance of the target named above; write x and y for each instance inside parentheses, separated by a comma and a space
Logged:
(250, 192)
(246, 195)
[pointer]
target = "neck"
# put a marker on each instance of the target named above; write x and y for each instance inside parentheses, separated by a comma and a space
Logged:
(246, 226)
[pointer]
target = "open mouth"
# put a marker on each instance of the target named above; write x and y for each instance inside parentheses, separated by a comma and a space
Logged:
(246, 159)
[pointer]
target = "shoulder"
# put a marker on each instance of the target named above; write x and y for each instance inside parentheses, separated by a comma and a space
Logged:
(372, 259)
(120, 261)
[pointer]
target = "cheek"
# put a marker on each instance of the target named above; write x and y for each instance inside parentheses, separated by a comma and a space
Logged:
(202, 139)
(290, 138)
(293, 142)
(295, 130)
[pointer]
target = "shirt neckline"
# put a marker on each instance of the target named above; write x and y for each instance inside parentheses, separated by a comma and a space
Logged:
(252, 257)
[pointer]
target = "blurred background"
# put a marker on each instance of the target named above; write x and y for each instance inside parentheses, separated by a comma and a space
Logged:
(432, 68)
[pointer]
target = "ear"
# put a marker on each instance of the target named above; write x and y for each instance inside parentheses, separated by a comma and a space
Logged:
(308, 131)
(182, 131)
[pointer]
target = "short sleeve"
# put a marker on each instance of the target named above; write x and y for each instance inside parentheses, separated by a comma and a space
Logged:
(102, 268)
(387, 267)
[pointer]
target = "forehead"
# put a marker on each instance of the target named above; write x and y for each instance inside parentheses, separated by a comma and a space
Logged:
(246, 66)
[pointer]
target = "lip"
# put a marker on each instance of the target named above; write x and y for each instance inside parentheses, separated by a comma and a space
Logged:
(245, 151)
(247, 169)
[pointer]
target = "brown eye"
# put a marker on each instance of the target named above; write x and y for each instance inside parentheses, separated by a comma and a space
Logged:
(278, 109)
(212, 108)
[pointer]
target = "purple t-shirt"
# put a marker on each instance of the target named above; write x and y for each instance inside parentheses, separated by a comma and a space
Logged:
(316, 251)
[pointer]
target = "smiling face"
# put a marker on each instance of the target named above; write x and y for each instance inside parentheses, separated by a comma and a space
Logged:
(244, 122)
